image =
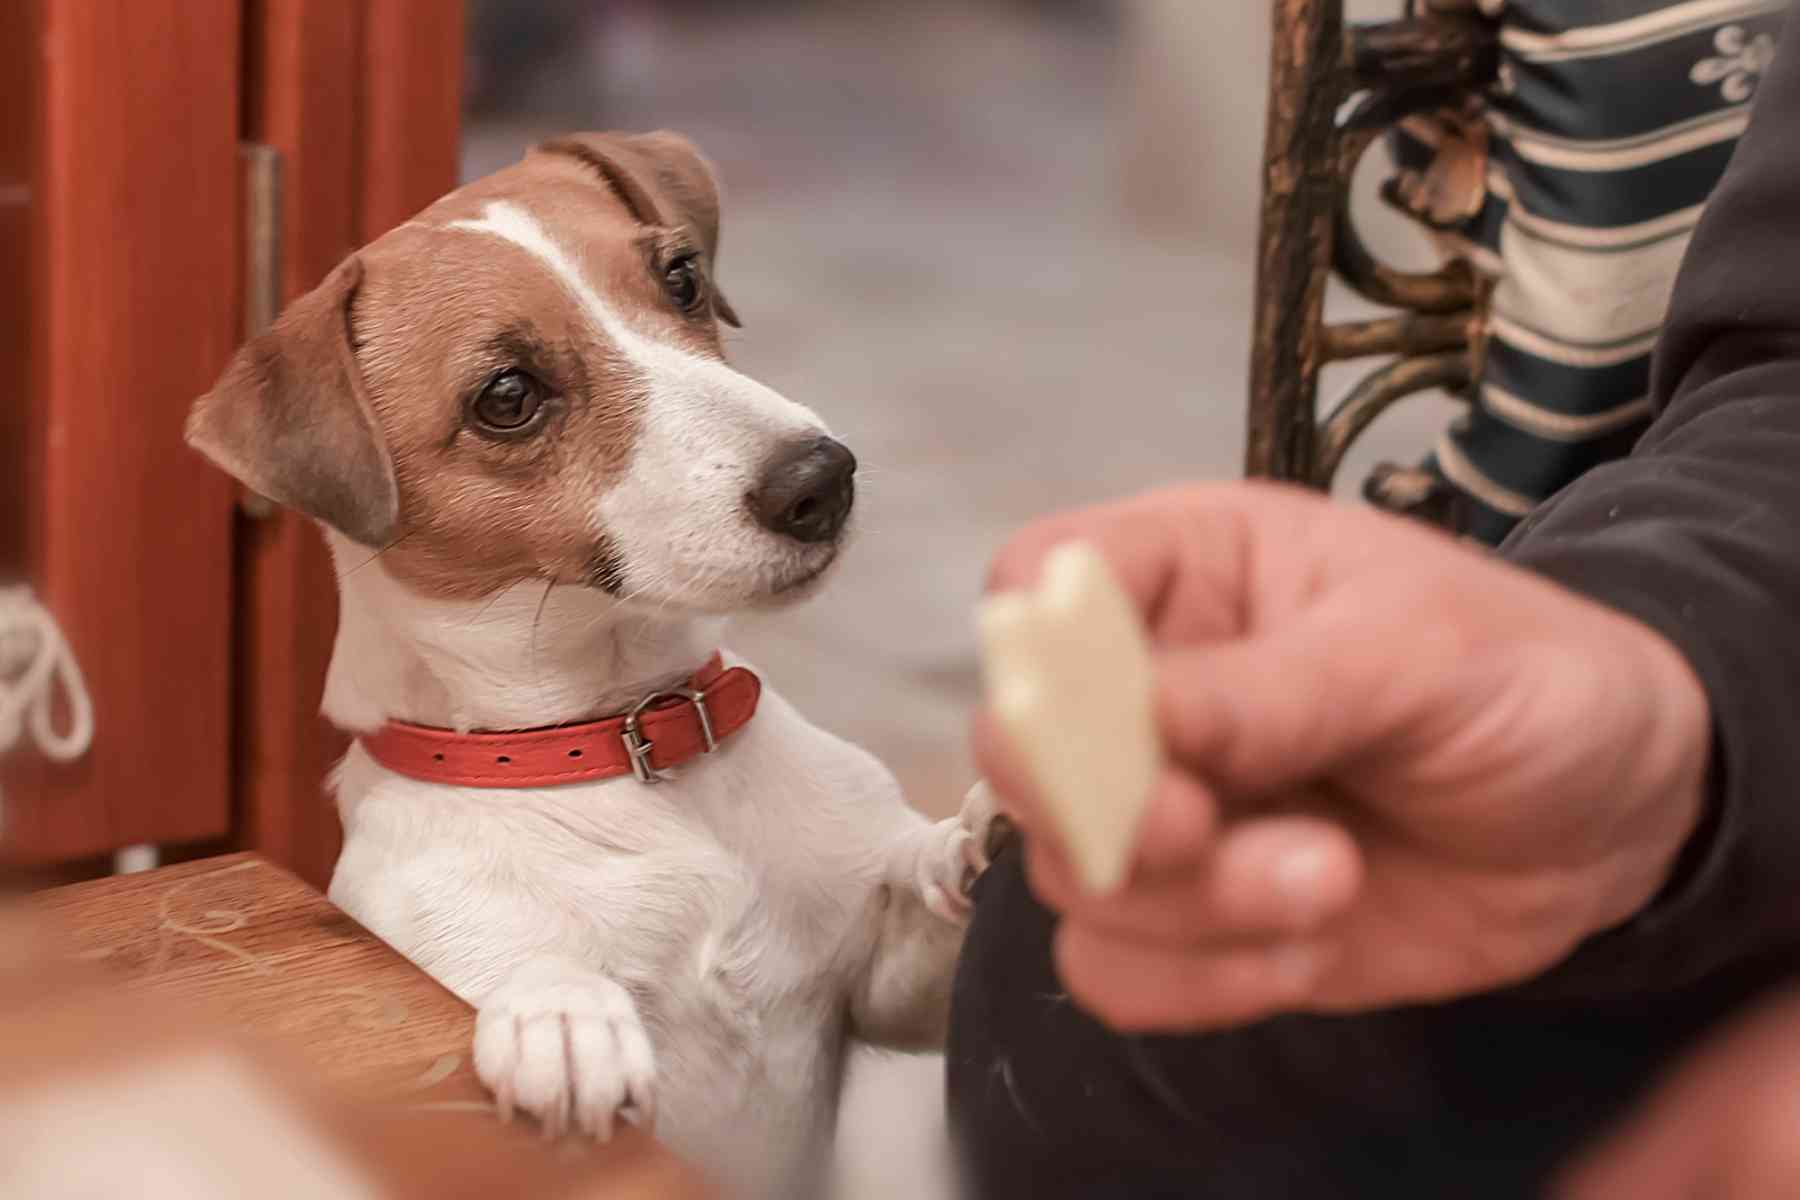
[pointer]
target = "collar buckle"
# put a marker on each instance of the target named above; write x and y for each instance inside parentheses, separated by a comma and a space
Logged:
(638, 747)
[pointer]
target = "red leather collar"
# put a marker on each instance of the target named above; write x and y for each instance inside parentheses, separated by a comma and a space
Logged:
(664, 730)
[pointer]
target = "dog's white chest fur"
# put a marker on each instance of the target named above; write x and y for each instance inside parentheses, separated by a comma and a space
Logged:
(736, 904)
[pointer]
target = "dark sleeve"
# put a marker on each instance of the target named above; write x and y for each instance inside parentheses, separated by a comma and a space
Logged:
(1698, 535)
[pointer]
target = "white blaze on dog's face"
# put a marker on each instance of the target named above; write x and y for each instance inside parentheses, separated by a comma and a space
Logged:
(537, 361)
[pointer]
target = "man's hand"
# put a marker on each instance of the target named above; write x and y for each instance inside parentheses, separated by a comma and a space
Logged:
(1727, 1127)
(1398, 769)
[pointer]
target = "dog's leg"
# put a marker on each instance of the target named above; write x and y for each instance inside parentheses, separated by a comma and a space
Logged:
(565, 1044)
(903, 997)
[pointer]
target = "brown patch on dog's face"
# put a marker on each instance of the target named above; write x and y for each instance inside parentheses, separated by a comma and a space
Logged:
(446, 312)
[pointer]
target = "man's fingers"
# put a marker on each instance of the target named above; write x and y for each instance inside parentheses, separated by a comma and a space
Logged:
(1268, 878)
(1140, 989)
(1177, 825)
(1276, 876)
(1276, 711)
(1172, 841)
(1181, 554)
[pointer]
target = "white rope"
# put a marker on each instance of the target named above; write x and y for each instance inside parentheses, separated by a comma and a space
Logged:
(36, 663)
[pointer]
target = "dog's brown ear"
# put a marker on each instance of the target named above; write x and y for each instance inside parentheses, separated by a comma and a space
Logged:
(289, 417)
(663, 179)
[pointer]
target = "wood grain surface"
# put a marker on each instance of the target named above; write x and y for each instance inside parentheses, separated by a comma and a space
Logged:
(269, 956)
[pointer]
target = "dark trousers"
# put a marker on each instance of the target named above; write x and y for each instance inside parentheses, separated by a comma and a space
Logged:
(1480, 1098)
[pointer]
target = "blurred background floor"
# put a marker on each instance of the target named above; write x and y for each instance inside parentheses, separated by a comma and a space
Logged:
(1005, 248)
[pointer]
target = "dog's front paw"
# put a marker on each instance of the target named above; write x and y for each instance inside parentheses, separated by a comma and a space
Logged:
(567, 1046)
(990, 828)
(957, 853)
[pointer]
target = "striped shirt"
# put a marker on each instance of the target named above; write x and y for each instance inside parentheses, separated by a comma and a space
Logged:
(1609, 126)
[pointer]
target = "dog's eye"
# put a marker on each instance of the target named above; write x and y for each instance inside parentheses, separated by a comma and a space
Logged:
(511, 402)
(684, 283)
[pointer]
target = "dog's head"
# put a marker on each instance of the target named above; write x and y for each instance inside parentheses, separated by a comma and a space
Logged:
(526, 382)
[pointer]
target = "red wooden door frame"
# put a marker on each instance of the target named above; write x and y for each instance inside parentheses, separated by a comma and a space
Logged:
(131, 214)
(204, 633)
(18, 150)
(363, 104)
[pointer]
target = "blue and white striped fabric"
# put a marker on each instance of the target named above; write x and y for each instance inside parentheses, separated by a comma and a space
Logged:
(1577, 186)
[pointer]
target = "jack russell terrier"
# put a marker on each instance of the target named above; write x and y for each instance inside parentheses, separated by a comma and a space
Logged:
(666, 893)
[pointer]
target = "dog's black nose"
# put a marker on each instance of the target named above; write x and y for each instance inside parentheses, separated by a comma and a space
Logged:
(807, 490)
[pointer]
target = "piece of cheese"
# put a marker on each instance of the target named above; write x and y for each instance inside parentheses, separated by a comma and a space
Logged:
(1070, 679)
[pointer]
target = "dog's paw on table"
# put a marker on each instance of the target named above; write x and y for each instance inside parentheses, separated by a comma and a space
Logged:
(566, 1045)
(188, 1016)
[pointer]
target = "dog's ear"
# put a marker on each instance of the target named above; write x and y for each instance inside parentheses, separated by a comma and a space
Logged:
(290, 418)
(663, 179)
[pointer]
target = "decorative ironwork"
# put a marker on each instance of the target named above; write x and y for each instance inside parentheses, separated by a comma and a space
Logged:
(1335, 89)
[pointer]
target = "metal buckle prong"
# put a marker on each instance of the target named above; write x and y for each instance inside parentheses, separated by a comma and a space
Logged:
(705, 715)
(638, 747)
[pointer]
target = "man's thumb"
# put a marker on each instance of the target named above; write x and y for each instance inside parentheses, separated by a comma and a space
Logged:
(1266, 713)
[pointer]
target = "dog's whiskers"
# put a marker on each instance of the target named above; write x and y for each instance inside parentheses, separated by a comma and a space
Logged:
(365, 562)
(488, 607)
(536, 619)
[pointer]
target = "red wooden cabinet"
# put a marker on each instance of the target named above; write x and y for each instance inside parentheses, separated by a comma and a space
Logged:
(203, 630)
